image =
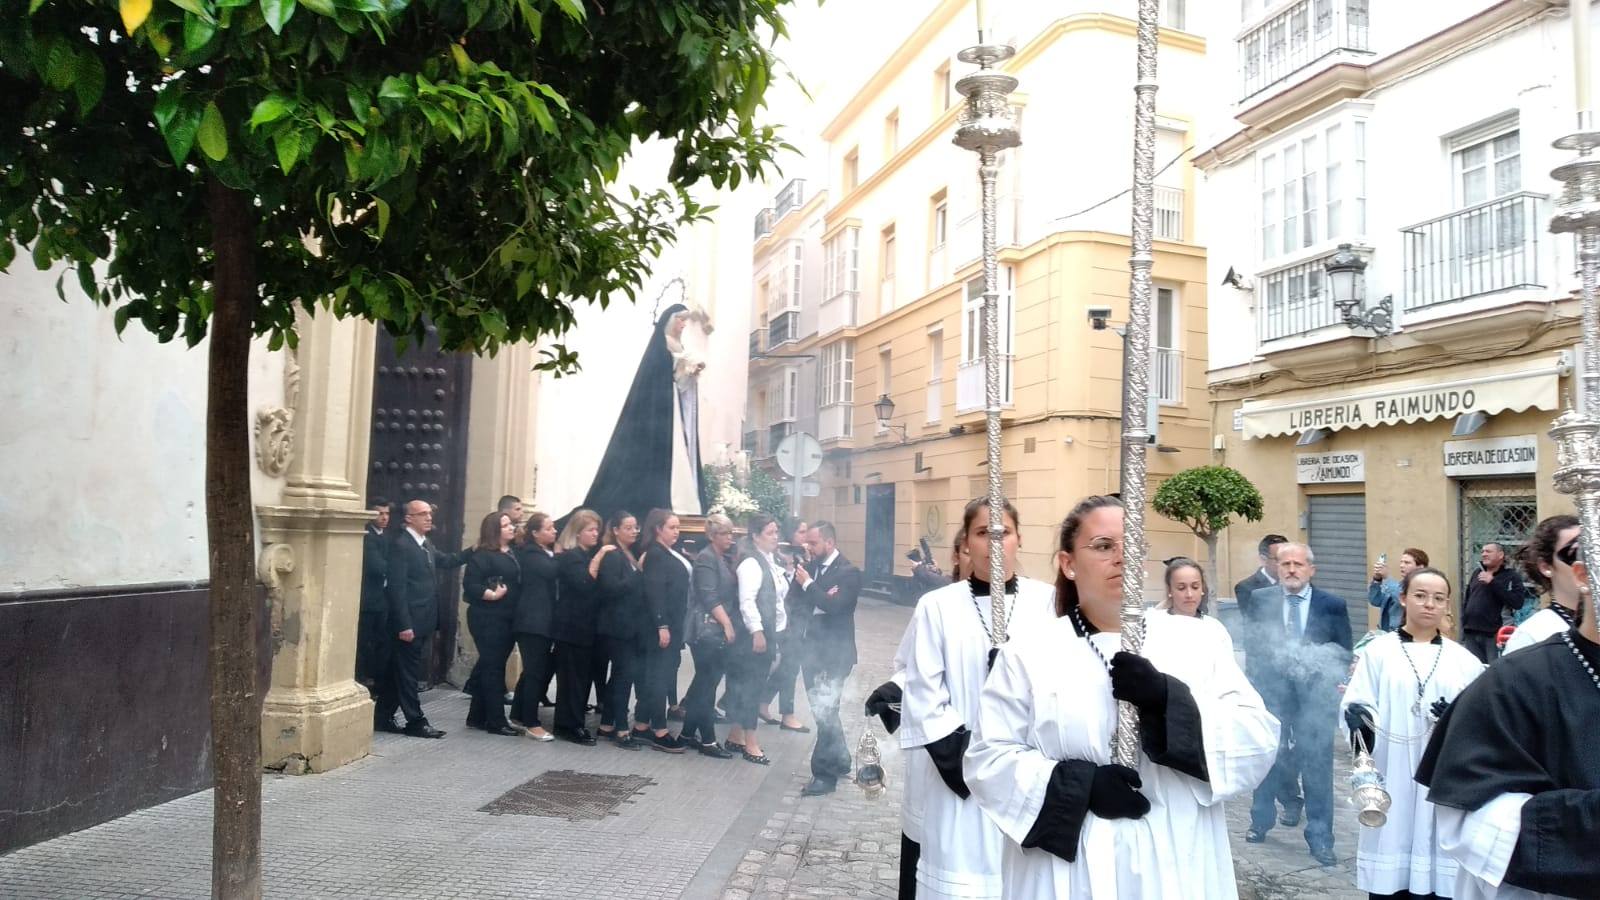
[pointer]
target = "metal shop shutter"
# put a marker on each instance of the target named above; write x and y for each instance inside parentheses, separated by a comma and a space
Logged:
(1338, 535)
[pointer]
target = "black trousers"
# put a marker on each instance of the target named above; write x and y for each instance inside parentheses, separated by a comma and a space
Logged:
(748, 672)
(660, 680)
(627, 657)
(699, 712)
(600, 673)
(1311, 722)
(785, 675)
(491, 631)
(574, 675)
(372, 648)
(830, 760)
(910, 854)
(398, 690)
(1481, 644)
(537, 668)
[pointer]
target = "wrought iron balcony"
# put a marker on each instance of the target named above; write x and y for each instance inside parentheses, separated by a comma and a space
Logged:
(1483, 249)
(1169, 375)
(775, 435)
(792, 197)
(755, 342)
(764, 220)
(1299, 36)
(1294, 300)
(970, 384)
(1169, 213)
(783, 328)
(751, 444)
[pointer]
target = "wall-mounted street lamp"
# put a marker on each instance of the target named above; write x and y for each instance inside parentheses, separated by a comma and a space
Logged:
(1347, 280)
(884, 410)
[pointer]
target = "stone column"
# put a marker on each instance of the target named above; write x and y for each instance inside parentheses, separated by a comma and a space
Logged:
(316, 717)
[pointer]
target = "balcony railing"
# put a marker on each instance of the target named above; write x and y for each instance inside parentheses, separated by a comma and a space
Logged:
(1169, 213)
(783, 328)
(751, 443)
(755, 342)
(1482, 249)
(764, 220)
(838, 311)
(833, 422)
(1169, 375)
(1298, 37)
(775, 435)
(792, 197)
(1295, 300)
(970, 384)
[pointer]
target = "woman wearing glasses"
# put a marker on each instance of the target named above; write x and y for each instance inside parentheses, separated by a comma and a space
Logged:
(1547, 560)
(1079, 824)
(1402, 683)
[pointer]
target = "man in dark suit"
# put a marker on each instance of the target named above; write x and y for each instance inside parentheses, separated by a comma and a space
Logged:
(1299, 640)
(1264, 577)
(372, 633)
(830, 585)
(413, 617)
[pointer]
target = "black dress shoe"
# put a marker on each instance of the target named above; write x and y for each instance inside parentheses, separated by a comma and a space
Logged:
(389, 726)
(817, 787)
(714, 750)
(506, 730)
(675, 713)
(474, 723)
(666, 743)
(422, 730)
(1324, 856)
(1255, 836)
(1290, 817)
(581, 736)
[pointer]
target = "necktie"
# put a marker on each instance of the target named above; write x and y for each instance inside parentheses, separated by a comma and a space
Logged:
(1296, 629)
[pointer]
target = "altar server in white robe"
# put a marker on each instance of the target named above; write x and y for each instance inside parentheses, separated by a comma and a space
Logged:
(1403, 681)
(949, 652)
(1081, 827)
(1547, 561)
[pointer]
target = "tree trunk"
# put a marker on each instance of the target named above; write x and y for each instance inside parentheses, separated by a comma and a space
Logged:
(1211, 566)
(235, 699)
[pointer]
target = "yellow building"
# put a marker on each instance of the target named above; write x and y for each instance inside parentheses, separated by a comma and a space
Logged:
(872, 289)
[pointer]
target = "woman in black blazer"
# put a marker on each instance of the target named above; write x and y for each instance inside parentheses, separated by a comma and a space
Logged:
(573, 624)
(490, 586)
(623, 625)
(666, 592)
(715, 603)
(532, 622)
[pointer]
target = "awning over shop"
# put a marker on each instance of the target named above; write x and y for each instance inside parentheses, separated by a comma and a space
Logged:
(1409, 401)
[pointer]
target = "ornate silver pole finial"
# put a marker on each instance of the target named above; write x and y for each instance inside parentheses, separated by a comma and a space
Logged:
(1577, 431)
(1136, 367)
(987, 127)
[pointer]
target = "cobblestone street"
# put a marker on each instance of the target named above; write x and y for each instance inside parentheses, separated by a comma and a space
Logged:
(410, 821)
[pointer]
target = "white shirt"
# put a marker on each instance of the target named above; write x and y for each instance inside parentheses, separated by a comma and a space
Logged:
(420, 539)
(1267, 575)
(749, 574)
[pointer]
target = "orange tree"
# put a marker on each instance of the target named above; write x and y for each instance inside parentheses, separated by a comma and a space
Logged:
(1206, 498)
(207, 168)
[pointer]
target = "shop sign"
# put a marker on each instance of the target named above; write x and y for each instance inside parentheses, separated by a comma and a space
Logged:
(1344, 467)
(1492, 456)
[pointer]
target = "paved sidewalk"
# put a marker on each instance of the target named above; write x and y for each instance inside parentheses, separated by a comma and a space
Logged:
(458, 818)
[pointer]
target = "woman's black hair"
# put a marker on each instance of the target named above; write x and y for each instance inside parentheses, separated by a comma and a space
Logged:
(1540, 550)
(1066, 588)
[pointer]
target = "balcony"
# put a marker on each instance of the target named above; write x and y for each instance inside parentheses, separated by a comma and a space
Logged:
(764, 220)
(755, 342)
(1168, 383)
(970, 384)
(1295, 300)
(833, 422)
(792, 197)
(1169, 213)
(783, 328)
(775, 435)
(838, 311)
(751, 443)
(1483, 249)
(1297, 37)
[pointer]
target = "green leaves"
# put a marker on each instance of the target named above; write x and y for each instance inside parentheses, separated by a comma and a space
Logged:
(1206, 497)
(271, 109)
(286, 144)
(573, 9)
(213, 133)
(277, 13)
(178, 117)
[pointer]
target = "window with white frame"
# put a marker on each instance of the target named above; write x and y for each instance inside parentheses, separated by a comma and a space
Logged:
(838, 372)
(1487, 170)
(935, 397)
(1168, 383)
(791, 393)
(1172, 14)
(842, 255)
(1313, 189)
(972, 324)
(940, 220)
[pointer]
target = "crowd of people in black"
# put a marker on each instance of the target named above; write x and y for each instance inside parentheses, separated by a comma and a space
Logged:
(604, 609)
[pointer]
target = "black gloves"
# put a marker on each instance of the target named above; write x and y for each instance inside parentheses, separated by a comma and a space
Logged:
(879, 704)
(1114, 794)
(1135, 680)
(1438, 707)
(947, 752)
(1359, 719)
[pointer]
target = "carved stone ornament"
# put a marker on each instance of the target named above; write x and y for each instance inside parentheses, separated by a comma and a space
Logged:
(273, 568)
(275, 424)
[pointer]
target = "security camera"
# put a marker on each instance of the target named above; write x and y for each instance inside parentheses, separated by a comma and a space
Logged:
(1099, 317)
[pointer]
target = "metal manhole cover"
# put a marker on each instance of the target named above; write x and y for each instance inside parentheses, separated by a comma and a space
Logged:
(565, 794)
